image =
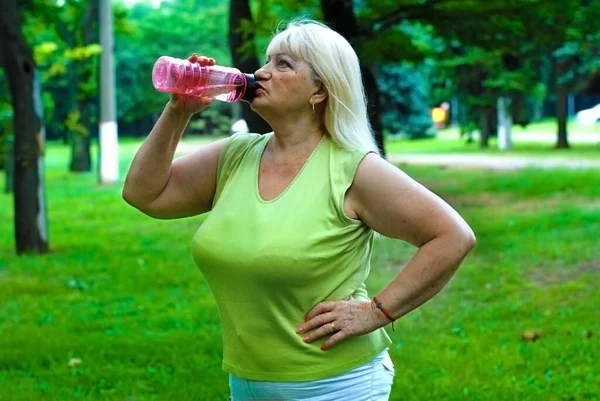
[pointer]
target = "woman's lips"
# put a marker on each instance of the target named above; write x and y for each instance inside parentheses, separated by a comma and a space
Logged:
(260, 88)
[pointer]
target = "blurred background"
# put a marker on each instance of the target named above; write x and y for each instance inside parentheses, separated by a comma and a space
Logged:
(493, 105)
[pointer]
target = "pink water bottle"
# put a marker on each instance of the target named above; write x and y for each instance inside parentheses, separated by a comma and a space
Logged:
(182, 77)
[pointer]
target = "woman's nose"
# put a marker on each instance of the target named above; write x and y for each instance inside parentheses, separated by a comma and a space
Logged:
(262, 74)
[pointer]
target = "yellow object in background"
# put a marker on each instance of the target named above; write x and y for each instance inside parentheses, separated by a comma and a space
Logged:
(438, 115)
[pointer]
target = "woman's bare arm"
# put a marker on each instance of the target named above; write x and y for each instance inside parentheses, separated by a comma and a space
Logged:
(165, 188)
(397, 206)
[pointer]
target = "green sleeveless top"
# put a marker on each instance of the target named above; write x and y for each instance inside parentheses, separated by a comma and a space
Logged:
(268, 263)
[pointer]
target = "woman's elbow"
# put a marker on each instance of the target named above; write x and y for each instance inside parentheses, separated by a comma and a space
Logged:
(129, 197)
(134, 201)
(466, 238)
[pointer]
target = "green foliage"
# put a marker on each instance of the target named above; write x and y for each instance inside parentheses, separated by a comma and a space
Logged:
(83, 52)
(520, 52)
(176, 29)
(214, 121)
(73, 124)
(6, 115)
(404, 100)
(467, 42)
(269, 15)
(126, 314)
(64, 40)
(383, 48)
(575, 48)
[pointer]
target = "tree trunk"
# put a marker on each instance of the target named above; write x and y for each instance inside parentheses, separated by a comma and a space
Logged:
(562, 93)
(487, 125)
(31, 232)
(80, 143)
(339, 15)
(239, 10)
(81, 159)
(9, 165)
(374, 108)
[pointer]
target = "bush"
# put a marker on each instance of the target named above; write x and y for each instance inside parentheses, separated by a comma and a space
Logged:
(215, 120)
(404, 101)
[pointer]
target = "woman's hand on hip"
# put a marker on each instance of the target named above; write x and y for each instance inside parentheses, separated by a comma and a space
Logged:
(341, 320)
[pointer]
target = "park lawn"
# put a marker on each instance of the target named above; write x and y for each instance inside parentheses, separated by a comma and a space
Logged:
(120, 298)
(455, 145)
(449, 141)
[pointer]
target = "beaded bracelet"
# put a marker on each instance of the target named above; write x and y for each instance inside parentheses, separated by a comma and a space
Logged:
(385, 312)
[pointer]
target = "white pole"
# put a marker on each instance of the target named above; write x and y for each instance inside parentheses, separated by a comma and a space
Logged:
(504, 123)
(108, 141)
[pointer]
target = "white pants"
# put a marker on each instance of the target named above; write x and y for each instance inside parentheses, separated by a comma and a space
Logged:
(369, 382)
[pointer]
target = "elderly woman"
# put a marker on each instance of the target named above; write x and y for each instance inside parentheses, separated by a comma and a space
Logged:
(286, 247)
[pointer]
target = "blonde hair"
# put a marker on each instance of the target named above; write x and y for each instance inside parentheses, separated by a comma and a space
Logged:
(334, 63)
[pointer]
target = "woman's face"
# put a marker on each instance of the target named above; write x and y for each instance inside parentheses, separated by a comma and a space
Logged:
(284, 85)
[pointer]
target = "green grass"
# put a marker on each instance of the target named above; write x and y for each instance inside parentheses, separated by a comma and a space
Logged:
(526, 149)
(449, 141)
(120, 292)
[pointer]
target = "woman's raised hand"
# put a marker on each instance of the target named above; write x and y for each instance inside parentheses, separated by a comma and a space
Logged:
(186, 104)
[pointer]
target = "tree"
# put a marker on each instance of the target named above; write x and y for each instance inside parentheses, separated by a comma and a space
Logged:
(177, 29)
(339, 15)
(65, 44)
(16, 59)
(243, 54)
(81, 37)
(404, 92)
(575, 59)
(381, 33)
(512, 41)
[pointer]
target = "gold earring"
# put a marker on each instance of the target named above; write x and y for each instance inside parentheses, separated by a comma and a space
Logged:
(313, 107)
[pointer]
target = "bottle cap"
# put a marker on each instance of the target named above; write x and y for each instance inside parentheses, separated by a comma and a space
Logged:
(250, 93)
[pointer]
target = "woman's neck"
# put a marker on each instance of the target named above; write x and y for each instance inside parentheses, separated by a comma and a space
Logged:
(296, 136)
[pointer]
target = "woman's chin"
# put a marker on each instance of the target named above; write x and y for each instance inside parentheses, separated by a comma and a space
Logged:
(257, 104)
